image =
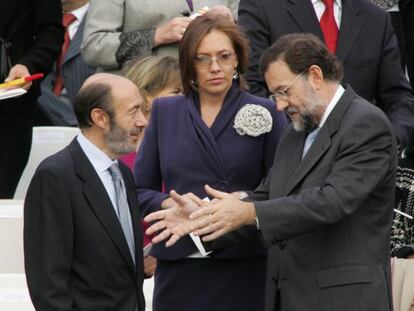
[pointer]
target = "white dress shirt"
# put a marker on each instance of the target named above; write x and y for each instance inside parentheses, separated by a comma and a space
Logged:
(79, 14)
(320, 8)
(339, 91)
(101, 163)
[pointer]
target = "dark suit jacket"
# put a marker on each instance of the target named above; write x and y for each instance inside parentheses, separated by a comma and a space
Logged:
(182, 153)
(327, 221)
(367, 47)
(35, 31)
(76, 255)
(75, 71)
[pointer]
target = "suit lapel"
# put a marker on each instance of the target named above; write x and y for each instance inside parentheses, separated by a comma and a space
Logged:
(351, 23)
(316, 151)
(75, 44)
(321, 143)
(206, 139)
(303, 13)
(99, 201)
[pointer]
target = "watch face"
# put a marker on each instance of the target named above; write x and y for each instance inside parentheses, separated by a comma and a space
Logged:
(243, 195)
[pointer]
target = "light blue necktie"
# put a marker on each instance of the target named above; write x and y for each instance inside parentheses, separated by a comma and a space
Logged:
(309, 141)
(124, 214)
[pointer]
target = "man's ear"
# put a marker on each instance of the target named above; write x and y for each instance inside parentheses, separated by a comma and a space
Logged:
(100, 118)
(315, 77)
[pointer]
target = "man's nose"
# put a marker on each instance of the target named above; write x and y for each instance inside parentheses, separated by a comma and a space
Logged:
(141, 120)
(281, 104)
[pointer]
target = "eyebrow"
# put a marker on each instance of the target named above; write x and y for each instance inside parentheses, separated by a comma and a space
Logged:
(219, 52)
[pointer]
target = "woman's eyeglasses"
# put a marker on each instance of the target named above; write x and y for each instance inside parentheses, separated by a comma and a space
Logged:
(223, 59)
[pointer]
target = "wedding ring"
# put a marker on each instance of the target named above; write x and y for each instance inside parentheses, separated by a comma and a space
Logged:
(182, 31)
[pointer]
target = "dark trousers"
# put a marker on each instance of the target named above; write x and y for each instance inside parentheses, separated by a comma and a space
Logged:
(16, 122)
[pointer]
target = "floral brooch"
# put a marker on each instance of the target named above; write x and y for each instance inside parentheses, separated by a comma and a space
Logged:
(253, 120)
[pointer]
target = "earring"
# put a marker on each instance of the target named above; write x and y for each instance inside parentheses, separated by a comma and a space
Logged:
(194, 84)
(235, 74)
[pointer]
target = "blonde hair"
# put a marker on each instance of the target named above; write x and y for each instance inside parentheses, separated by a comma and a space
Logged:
(151, 75)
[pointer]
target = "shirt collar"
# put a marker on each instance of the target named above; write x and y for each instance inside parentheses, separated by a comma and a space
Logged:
(338, 2)
(339, 91)
(99, 159)
(80, 12)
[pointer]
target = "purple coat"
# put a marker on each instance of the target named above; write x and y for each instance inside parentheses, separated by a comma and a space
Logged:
(182, 153)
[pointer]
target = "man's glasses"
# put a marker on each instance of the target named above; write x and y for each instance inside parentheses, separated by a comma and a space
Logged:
(282, 94)
(223, 59)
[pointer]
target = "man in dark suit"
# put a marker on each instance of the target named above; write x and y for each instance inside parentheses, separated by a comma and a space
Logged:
(324, 212)
(35, 33)
(366, 46)
(56, 105)
(82, 232)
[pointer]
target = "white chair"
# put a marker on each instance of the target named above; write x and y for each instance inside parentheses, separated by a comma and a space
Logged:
(47, 140)
(14, 295)
(11, 236)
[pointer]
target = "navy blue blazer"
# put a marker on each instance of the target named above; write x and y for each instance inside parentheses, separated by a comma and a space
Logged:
(180, 151)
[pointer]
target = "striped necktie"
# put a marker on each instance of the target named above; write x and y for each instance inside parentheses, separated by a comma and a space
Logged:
(124, 214)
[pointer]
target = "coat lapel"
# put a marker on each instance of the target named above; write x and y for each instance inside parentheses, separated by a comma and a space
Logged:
(99, 201)
(75, 44)
(351, 23)
(321, 143)
(231, 106)
(208, 136)
(293, 148)
(303, 13)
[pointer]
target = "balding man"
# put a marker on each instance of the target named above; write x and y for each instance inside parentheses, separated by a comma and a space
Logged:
(82, 234)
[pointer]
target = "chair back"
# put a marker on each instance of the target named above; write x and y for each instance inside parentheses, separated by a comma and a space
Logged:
(47, 140)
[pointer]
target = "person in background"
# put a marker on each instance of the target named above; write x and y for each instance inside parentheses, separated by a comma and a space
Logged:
(120, 30)
(358, 32)
(34, 32)
(155, 76)
(324, 212)
(82, 229)
(407, 21)
(216, 133)
(60, 87)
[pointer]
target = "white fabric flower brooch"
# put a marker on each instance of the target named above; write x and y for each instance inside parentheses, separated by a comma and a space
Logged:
(253, 120)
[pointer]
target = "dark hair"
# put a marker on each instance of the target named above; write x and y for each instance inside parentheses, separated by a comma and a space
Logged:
(195, 32)
(300, 51)
(94, 95)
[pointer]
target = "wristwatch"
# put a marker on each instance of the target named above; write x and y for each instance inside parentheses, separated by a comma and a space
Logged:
(243, 195)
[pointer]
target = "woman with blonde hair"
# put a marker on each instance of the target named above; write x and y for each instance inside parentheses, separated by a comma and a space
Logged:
(155, 77)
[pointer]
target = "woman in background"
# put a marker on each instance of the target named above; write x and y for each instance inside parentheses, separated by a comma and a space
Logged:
(217, 134)
(155, 77)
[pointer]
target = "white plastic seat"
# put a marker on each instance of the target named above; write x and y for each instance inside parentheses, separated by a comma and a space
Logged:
(47, 140)
(11, 236)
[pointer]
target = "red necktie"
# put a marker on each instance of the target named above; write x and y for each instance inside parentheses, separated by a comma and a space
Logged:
(68, 18)
(329, 27)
